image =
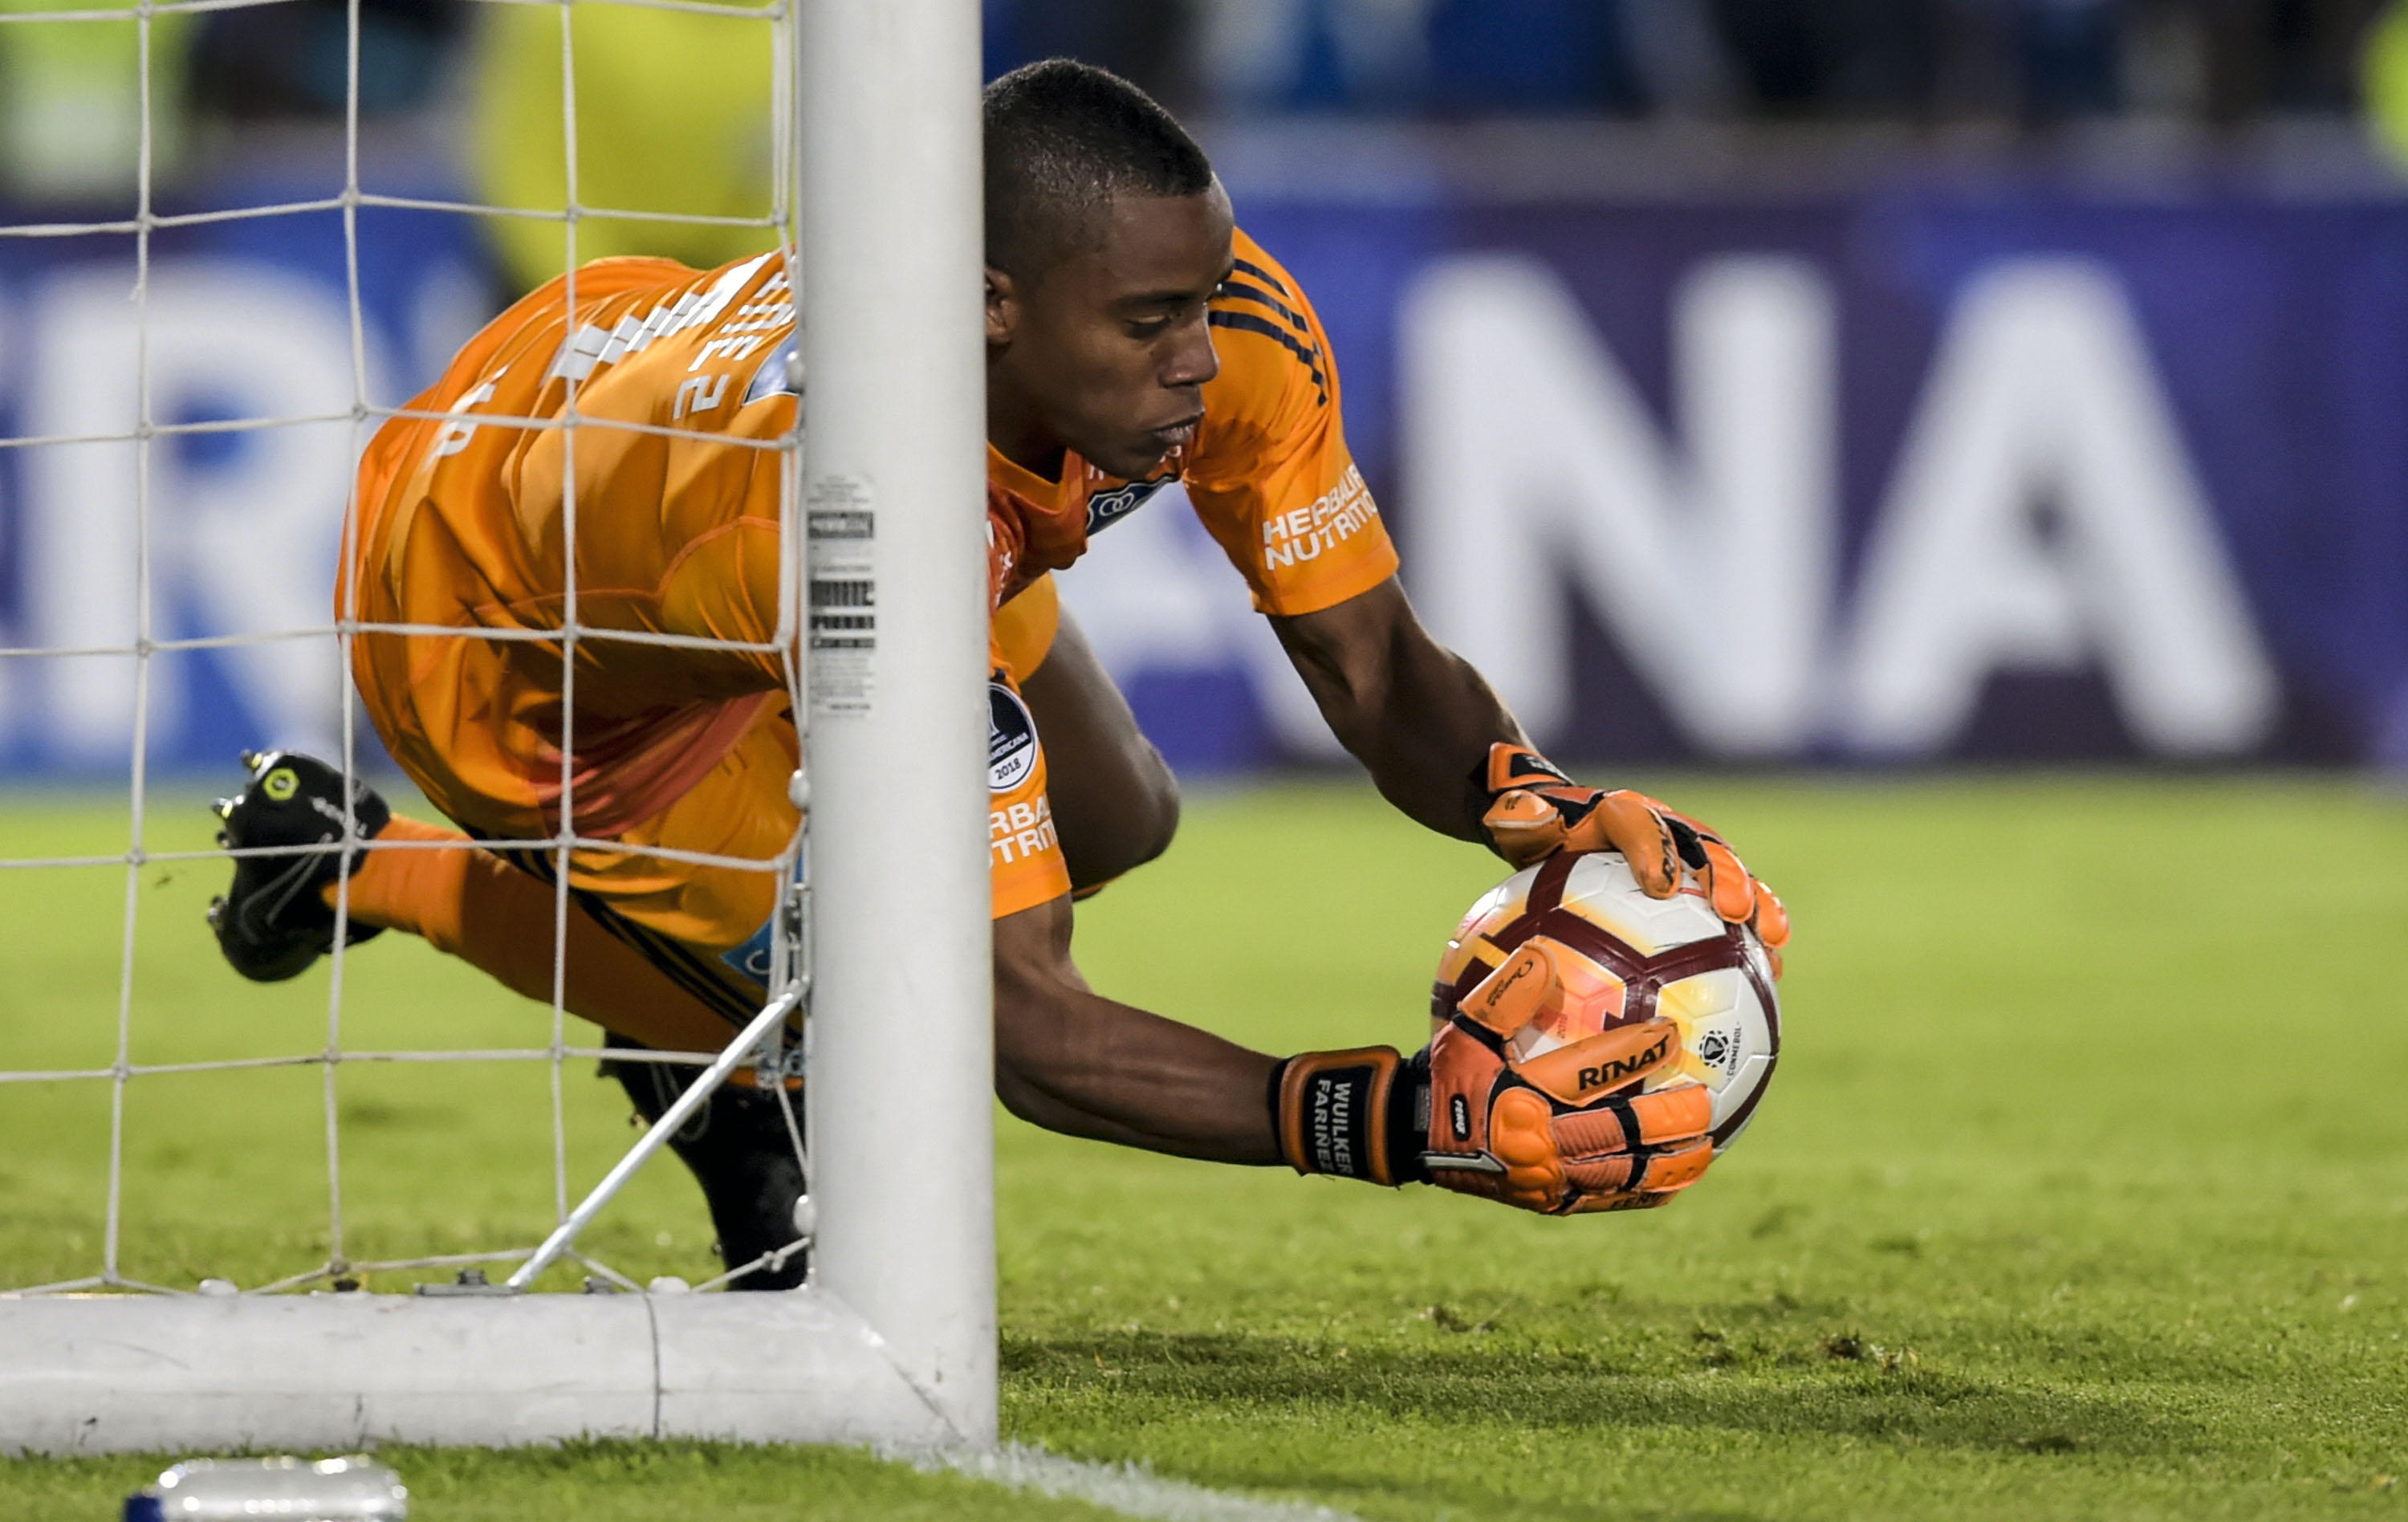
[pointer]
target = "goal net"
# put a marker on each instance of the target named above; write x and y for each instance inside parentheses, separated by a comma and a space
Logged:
(376, 1329)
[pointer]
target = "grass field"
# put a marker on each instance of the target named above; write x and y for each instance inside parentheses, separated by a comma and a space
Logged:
(2083, 1192)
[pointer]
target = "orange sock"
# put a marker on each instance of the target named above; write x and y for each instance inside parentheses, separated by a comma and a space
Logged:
(469, 902)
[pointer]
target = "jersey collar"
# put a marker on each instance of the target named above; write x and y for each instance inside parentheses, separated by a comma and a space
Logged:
(1021, 481)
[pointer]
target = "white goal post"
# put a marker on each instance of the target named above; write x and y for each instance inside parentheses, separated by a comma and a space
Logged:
(894, 1339)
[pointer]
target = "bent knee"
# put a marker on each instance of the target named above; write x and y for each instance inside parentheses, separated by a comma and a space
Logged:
(1158, 820)
(1101, 843)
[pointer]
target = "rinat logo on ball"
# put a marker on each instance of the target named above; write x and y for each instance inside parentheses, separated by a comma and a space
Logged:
(1624, 958)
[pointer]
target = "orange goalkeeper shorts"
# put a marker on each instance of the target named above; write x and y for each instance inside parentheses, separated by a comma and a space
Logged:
(705, 924)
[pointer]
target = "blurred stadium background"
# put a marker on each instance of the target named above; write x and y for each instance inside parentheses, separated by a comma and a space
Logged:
(1830, 390)
(2025, 373)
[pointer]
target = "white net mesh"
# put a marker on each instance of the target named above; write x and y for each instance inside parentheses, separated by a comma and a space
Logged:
(315, 650)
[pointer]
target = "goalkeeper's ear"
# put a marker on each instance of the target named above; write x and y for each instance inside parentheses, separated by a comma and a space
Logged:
(1003, 308)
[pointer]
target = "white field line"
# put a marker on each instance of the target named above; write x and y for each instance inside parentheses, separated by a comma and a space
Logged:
(1130, 1489)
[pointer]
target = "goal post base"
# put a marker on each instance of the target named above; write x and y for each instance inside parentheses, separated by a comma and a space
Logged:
(129, 1374)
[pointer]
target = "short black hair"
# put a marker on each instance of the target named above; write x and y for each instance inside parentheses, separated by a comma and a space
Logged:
(1062, 139)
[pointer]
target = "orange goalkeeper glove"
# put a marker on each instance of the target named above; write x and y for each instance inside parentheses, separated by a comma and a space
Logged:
(1561, 1133)
(1535, 811)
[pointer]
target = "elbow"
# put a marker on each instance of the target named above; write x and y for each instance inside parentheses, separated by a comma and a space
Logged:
(1019, 1074)
(1020, 1097)
(1032, 981)
(1016, 1063)
(1034, 1072)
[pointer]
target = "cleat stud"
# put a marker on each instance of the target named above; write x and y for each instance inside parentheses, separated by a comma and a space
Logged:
(225, 808)
(250, 760)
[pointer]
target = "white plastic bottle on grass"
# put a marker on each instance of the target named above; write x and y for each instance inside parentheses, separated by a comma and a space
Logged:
(355, 1489)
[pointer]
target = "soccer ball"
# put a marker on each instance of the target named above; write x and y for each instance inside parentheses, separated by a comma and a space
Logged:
(1633, 957)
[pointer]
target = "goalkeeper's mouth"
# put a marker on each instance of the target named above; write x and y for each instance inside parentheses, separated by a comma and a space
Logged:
(1176, 435)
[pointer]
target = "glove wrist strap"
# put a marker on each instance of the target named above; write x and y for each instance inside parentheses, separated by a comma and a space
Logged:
(1354, 1114)
(1509, 766)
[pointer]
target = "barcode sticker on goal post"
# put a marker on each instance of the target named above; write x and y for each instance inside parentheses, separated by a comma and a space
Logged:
(843, 528)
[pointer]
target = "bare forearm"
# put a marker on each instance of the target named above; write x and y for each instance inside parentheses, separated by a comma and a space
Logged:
(1072, 1061)
(1418, 716)
(1115, 1073)
(1424, 744)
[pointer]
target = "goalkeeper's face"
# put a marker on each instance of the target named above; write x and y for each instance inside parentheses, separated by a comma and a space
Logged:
(1105, 349)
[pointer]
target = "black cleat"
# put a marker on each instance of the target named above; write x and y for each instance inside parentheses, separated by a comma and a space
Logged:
(272, 922)
(737, 1149)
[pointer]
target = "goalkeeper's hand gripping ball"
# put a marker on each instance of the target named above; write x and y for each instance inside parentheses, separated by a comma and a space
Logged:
(1595, 1049)
(1535, 811)
(1571, 1129)
(1564, 1133)
(1559, 1129)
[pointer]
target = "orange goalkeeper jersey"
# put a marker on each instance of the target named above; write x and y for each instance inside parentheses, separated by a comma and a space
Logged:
(662, 505)
(1267, 470)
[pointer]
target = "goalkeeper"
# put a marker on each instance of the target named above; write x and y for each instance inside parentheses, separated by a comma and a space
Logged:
(1135, 338)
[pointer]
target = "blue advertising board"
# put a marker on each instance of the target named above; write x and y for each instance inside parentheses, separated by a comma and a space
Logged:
(1884, 478)
(235, 322)
(1875, 478)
